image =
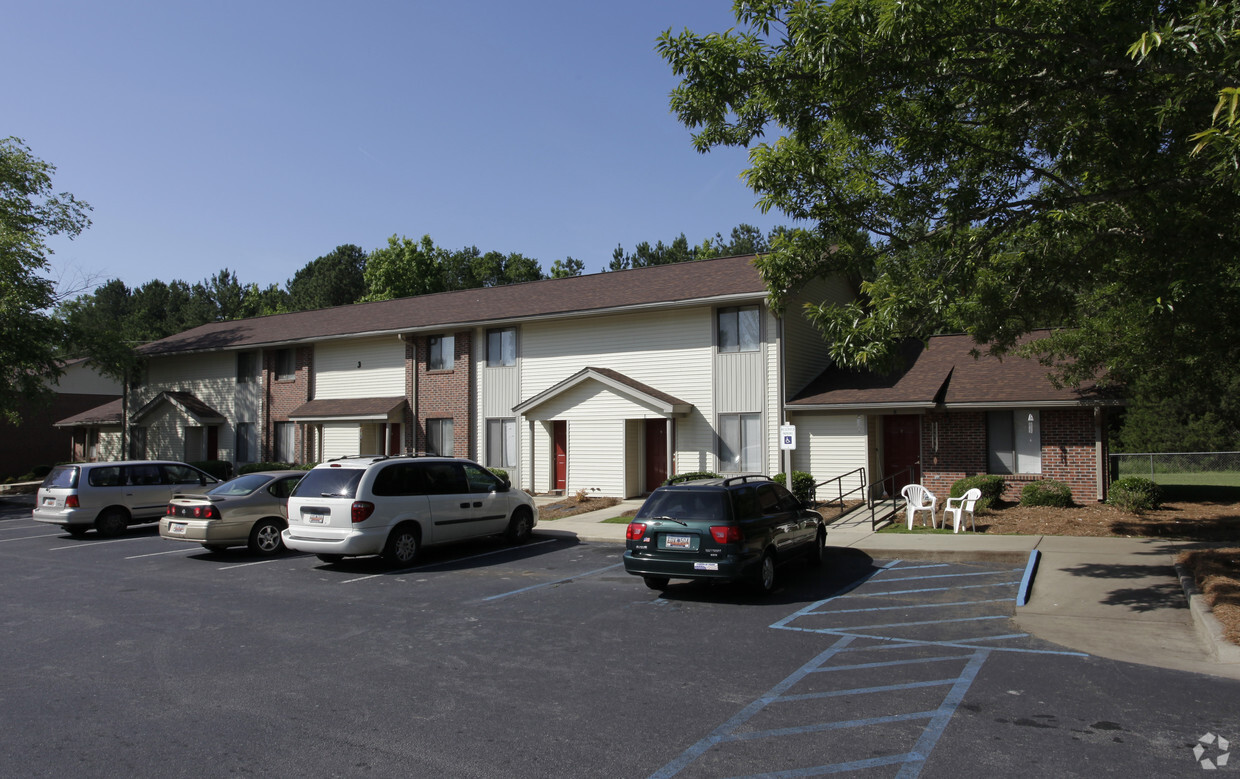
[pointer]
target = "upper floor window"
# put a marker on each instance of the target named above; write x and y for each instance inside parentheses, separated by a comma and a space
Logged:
(1014, 441)
(247, 367)
(738, 329)
(502, 347)
(286, 364)
(441, 353)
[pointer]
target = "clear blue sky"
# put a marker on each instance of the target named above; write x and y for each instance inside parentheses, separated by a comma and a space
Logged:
(259, 135)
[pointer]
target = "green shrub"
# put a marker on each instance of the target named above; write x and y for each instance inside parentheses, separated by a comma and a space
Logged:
(693, 476)
(990, 485)
(40, 471)
(220, 469)
(500, 472)
(252, 467)
(1046, 492)
(802, 485)
(1135, 494)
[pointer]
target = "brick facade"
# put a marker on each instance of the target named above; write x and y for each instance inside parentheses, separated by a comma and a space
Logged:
(444, 394)
(282, 397)
(1068, 452)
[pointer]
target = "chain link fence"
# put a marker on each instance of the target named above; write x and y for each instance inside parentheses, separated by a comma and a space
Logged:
(1187, 469)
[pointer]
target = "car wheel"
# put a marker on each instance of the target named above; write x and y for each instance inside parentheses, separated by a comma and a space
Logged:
(112, 522)
(519, 527)
(265, 538)
(766, 574)
(818, 552)
(656, 582)
(77, 531)
(214, 547)
(330, 558)
(402, 545)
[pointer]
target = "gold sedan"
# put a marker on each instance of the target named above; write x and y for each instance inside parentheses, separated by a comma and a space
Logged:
(249, 510)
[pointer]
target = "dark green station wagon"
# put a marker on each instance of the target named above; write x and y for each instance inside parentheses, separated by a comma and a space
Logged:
(732, 529)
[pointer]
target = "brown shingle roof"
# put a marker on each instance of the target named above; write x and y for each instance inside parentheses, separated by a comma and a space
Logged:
(107, 414)
(346, 407)
(944, 372)
(729, 276)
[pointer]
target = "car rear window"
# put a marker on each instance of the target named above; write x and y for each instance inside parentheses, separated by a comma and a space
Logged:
(329, 483)
(107, 476)
(242, 485)
(685, 504)
(63, 476)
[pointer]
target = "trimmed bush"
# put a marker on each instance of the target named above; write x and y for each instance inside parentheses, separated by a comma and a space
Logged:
(1046, 492)
(1135, 494)
(990, 485)
(252, 467)
(692, 476)
(220, 469)
(500, 472)
(802, 485)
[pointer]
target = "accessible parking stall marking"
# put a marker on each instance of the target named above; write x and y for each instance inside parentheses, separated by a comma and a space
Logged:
(900, 680)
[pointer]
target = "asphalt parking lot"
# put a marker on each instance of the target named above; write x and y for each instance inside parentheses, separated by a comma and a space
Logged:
(140, 656)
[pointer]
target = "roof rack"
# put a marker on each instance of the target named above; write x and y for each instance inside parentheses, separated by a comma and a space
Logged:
(748, 477)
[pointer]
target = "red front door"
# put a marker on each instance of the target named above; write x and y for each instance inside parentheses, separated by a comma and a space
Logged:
(901, 450)
(656, 453)
(559, 435)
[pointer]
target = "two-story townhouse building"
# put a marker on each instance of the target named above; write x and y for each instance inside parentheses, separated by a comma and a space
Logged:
(606, 383)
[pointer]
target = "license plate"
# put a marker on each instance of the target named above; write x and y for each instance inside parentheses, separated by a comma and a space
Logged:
(176, 528)
(706, 566)
(49, 501)
(316, 519)
(678, 542)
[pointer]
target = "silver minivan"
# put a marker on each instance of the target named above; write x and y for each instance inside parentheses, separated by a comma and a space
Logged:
(393, 506)
(108, 497)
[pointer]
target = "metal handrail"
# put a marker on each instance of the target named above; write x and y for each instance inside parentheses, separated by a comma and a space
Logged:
(840, 493)
(895, 496)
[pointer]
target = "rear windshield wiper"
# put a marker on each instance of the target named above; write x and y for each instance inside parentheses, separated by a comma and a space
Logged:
(672, 519)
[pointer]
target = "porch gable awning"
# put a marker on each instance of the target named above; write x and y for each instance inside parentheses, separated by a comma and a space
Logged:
(664, 403)
(197, 410)
(107, 414)
(349, 410)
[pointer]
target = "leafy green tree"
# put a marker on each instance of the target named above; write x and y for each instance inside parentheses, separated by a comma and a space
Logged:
(562, 269)
(744, 239)
(30, 213)
(988, 168)
(644, 255)
(335, 279)
(404, 268)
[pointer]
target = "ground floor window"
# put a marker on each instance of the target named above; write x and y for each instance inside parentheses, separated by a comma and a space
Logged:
(502, 443)
(284, 443)
(740, 443)
(137, 443)
(439, 438)
(1014, 441)
(245, 442)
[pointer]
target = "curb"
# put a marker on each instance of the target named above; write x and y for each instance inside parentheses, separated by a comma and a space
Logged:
(1209, 629)
(1026, 583)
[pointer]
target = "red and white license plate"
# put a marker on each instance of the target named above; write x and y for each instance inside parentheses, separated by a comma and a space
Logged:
(678, 542)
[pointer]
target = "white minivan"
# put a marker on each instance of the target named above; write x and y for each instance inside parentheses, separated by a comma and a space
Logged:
(394, 505)
(108, 497)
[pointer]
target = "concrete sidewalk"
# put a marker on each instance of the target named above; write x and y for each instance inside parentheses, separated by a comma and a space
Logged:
(1119, 598)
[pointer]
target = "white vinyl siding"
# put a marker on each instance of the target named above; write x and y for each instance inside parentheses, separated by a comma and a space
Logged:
(341, 439)
(830, 445)
(804, 350)
(210, 377)
(361, 368)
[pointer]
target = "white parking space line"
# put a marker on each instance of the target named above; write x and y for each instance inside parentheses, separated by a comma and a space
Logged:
(157, 554)
(86, 544)
(26, 538)
(31, 526)
(446, 562)
(276, 559)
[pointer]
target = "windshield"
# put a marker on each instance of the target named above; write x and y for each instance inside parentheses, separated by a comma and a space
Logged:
(242, 485)
(684, 504)
(65, 476)
(329, 483)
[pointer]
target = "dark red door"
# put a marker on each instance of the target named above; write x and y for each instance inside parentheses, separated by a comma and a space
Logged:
(559, 435)
(901, 450)
(656, 453)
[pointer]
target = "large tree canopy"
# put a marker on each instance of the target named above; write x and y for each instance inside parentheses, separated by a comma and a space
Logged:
(30, 213)
(990, 168)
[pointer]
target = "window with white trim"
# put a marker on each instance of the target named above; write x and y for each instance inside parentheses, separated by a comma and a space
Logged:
(740, 443)
(739, 329)
(441, 357)
(501, 443)
(1014, 441)
(284, 443)
(439, 437)
(286, 364)
(245, 442)
(502, 347)
(247, 367)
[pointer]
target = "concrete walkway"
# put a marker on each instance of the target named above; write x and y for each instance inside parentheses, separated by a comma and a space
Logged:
(1119, 598)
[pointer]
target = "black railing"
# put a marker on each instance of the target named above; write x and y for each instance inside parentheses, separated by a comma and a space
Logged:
(840, 493)
(887, 486)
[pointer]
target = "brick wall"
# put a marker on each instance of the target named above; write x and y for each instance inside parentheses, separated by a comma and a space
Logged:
(282, 397)
(444, 394)
(1068, 453)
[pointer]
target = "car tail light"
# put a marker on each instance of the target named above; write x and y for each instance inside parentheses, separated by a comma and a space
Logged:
(171, 512)
(361, 510)
(71, 502)
(206, 512)
(726, 534)
(636, 531)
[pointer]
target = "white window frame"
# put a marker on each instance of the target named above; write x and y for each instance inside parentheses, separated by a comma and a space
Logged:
(739, 328)
(501, 347)
(1014, 441)
(286, 364)
(441, 431)
(244, 445)
(740, 443)
(283, 431)
(502, 443)
(441, 354)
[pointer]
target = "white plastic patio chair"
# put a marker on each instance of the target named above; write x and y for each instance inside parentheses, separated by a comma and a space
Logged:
(958, 507)
(918, 498)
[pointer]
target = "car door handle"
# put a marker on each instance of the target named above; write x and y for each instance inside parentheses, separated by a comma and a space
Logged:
(464, 505)
(478, 504)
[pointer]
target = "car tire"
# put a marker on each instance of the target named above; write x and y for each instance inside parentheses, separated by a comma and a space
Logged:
(112, 522)
(265, 537)
(330, 558)
(519, 527)
(764, 579)
(818, 552)
(656, 582)
(402, 546)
